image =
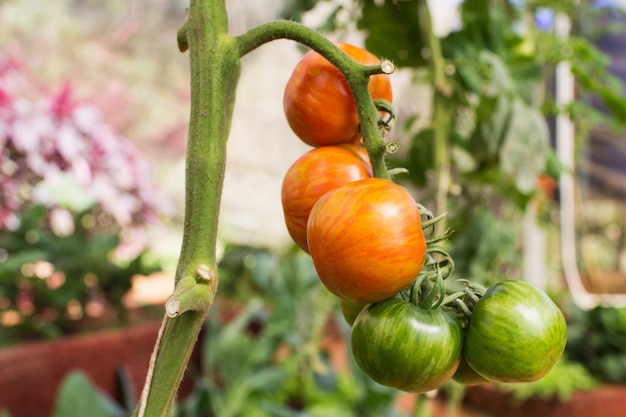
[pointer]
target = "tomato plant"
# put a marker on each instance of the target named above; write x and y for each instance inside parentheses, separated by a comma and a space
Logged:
(318, 102)
(314, 174)
(516, 333)
(366, 240)
(399, 344)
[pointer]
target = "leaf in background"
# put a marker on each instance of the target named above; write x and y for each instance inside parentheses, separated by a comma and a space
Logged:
(198, 403)
(392, 31)
(560, 383)
(294, 9)
(525, 146)
(78, 397)
(5, 413)
(493, 117)
(420, 157)
(497, 78)
(267, 380)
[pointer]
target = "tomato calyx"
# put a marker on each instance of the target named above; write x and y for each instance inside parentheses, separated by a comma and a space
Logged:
(429, 227)
(428, 291)
(461, 303)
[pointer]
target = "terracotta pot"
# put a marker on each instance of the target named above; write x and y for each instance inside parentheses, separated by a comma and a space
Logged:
(604, 401)
(30, 373)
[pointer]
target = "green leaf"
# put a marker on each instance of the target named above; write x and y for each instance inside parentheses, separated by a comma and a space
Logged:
(294, 9)
(493, 118)
(78, 397)
(419, 159)
(198, 403)
(392, 30)
(5, 413)
(525, 146)
(267, 380)
(498, 77)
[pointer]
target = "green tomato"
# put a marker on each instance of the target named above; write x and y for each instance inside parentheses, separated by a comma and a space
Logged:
(400, 345)
(467, 376)
(351, 309)
(516, 333)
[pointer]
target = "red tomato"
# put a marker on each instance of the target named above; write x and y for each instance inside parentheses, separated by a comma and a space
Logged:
(366, 240)
(318, 102)
(314, 174)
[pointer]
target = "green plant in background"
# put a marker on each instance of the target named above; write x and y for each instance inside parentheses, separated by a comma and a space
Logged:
(566, 378)
(48, 282)
(597, 339)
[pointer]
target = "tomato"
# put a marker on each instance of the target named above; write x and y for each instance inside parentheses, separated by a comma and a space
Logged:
(466, 375)
(318, 102)
(400, 345)
(351, 310)
(516, 333)
(313, 175)
(366, 240)
(355, 146)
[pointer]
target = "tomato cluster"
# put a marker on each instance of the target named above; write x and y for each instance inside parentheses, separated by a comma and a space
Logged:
(514, 333)
(374, 247)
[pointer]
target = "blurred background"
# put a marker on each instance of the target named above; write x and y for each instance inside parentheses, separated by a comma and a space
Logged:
(526, 154)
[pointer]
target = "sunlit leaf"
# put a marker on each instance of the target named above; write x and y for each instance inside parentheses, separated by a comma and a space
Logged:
(525, 146)
(392, 31)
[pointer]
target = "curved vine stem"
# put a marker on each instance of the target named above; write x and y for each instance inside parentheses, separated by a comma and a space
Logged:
(356, 74)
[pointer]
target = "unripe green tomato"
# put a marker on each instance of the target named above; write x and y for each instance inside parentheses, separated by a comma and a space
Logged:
(516, 333)
(351, 310)
(400, 345)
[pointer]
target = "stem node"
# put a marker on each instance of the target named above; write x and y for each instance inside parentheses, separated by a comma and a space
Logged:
(206, 272)
(387, 66)
(392, 148)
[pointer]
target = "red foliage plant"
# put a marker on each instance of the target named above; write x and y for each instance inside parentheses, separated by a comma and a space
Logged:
(56, 150)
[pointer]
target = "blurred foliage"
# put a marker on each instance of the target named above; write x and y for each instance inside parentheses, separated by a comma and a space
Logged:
(119, 56)
(50, 281)
(66, 115)
(566, 378)
(597, 339)
(78, 397)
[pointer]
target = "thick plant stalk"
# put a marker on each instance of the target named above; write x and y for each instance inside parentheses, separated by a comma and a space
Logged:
(215, 68)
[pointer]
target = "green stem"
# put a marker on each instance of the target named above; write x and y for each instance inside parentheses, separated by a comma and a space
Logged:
(356, 74)
(215, 68)
(441, 115)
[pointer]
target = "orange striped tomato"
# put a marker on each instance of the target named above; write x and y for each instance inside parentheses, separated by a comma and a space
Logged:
(318, 102)
(366, 240)
(314, 174)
